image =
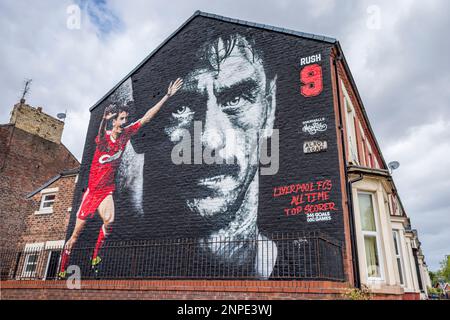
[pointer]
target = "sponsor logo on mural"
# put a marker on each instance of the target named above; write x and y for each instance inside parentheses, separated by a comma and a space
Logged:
(314, 146)
(109, 158)
(314, 126)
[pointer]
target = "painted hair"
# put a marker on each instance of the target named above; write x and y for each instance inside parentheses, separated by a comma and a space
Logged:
(118, 108)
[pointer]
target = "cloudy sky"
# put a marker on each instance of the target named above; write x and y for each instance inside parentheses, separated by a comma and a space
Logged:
(398, 51)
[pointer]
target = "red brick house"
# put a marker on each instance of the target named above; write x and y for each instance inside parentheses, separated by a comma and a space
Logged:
(45, 227)
(31, 153)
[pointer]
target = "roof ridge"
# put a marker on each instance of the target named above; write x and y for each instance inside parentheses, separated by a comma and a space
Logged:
(267, 27)
(64, 173)
(217, 17)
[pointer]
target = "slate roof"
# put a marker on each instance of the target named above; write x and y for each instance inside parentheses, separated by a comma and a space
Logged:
(65, 173)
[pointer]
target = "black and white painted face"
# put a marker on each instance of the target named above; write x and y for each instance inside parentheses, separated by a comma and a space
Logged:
(233, 101)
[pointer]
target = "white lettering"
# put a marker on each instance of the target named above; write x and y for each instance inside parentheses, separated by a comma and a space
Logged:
(107, 158)
(311, 59)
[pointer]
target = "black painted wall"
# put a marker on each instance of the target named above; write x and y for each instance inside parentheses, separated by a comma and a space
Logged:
(165, 215)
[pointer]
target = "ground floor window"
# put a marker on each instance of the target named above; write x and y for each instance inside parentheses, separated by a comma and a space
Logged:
(370, 235)
(30, 266)
(398, 255)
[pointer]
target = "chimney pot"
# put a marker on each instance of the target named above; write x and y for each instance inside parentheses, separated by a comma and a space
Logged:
(39, 109)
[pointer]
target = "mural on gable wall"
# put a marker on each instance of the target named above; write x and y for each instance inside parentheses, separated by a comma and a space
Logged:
(225, 140)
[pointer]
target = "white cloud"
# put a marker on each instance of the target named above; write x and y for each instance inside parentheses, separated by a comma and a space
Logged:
(423, 180)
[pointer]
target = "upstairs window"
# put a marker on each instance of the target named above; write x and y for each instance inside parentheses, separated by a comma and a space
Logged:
(47, 201)
(48, 198)
(351, 130)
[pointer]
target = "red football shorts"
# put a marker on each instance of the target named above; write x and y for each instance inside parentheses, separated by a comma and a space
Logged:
(91, 201)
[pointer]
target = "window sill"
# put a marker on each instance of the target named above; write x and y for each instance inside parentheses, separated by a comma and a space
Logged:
(375, 280)
(43, 212)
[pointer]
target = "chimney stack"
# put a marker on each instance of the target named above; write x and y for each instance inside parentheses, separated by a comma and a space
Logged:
(36, 122)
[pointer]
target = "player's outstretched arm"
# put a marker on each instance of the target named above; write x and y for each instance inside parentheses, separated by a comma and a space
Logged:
(173, 88)
(107, 115)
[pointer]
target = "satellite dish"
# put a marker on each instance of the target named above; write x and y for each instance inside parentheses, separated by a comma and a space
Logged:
(394, 165)
(61, 116)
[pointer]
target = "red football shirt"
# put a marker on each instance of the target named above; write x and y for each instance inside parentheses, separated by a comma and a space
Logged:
(107, 158)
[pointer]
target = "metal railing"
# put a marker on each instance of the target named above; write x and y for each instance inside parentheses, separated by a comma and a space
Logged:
(299, 256)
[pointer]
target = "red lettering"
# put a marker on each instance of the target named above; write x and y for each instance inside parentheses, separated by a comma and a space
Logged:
(293, 211)
(297, 200)
(313, 208)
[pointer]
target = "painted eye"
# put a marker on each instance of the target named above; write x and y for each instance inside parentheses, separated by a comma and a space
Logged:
(182, 111)
(233, 102)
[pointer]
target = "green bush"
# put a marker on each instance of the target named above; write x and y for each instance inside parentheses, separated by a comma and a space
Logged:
(358, 294)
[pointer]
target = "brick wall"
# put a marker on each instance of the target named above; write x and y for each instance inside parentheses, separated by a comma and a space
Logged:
(26, 162)
(168, 290)
(52, 226)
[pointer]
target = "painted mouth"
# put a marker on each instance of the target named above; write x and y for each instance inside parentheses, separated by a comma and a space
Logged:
(222, 183)
(212, 180)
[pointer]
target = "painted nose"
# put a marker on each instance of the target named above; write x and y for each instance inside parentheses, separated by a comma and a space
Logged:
(213, 136)
(213, 139)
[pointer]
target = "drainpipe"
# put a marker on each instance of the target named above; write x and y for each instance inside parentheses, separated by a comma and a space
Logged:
(353, 231)
(348, 183)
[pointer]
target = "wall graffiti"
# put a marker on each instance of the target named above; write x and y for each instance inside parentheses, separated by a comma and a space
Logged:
(314, 146)
(312, 127)
(237, 101)
(110, 145)
(311, 199)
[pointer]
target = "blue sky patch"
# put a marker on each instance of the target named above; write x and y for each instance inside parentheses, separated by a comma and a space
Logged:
(101, 15)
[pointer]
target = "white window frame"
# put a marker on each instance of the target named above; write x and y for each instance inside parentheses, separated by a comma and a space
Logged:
(375, 234)
(30, 274)
(31, 249)
(363, 161)
(399, 256)
(369, 155)
(44, 193)
(351, 129)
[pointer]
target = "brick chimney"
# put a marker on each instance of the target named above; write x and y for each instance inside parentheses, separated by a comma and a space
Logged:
(35, 121)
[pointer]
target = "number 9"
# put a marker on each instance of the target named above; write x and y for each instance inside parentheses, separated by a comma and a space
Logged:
(311, 78)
